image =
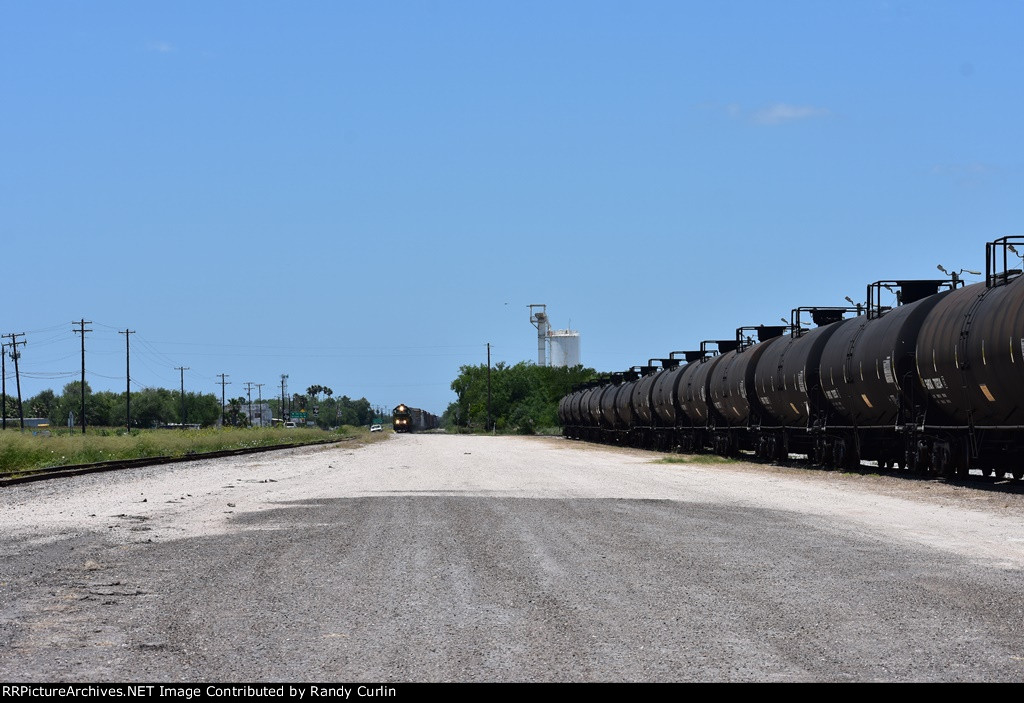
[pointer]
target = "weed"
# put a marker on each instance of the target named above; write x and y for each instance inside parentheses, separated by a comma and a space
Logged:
(695, 459)
(21, 451)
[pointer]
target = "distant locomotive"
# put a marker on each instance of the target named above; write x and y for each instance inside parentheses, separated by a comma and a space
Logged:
(406, 419)
(934, 383)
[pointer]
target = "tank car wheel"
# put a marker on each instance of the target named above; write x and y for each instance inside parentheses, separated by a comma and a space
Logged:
(853, 456)
(782, 448)
(920, 458)
(842, 455)
(820, 452)
(959, 461)
(941, 461)
(838, 454)
(910, 460)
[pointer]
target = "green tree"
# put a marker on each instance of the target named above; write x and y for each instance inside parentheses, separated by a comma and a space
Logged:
(40, 405)
(200, 408)
(70, 402)
(152, 407)
(234, 415)
(524, 396)
(11, 408)
(105, 409)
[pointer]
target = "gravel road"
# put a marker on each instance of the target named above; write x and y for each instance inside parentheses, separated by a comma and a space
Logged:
(452, 558)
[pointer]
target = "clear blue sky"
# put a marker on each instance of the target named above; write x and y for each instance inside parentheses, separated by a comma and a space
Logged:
(362, 194)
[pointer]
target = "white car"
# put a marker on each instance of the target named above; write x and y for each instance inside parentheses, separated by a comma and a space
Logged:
(376, 428)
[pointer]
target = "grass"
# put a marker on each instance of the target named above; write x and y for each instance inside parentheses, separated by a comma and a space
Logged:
(695, 459)
(23, 451)
(508, 431)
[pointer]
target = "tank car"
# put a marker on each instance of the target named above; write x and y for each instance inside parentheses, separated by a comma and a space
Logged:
(731, 390)
(934, 382)
(671, 428)
(868, 377)
(787, 384)
(970, 362)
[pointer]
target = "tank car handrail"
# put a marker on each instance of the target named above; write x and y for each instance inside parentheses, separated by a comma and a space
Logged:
(994, 275)
(909, 291)
(764, 333)
(724, 346)
(690, 356)
(821, 315)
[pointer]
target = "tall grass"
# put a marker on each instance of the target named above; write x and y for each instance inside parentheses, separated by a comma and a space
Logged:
(22, 451)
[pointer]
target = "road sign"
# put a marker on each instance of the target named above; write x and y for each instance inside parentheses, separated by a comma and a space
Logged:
(298, 415)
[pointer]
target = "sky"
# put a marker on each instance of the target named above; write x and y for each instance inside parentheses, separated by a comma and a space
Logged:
(362, 195)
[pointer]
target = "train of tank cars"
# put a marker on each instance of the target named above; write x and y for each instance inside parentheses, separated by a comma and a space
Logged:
(406, 419)
(933, 383)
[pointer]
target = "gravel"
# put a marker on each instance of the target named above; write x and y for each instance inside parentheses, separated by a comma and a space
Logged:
(455, 558)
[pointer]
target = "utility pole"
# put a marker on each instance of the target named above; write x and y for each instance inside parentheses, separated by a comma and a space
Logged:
(284, 380)
(248, 390)
(81, 330)
(222, 384)
(259, 390)
(489, 424)
(127, 379)
(184, 415)
(17, 377)
(3, 383)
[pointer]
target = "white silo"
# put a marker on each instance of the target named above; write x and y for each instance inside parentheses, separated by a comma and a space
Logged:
(565, 347)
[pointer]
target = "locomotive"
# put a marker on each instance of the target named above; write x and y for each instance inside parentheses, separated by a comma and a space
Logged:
(406, 419)
(932, 383)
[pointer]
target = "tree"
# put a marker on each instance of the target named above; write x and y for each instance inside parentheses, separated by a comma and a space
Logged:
(201, 408)
(524, 396)
(70, 402)
(152, 407)
(11, 408)
(40, 405)
(233, 414)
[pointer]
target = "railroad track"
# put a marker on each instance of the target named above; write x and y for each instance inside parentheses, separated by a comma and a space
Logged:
(51, 472)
